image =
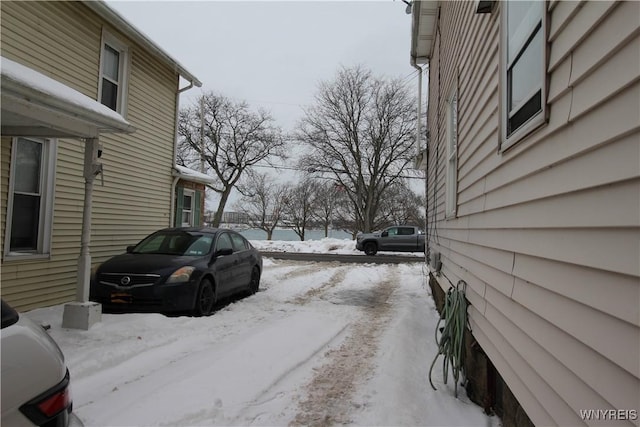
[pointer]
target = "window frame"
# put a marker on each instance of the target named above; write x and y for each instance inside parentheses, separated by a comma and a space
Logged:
(191, 193)
(47, 200)
(540, 118)
(123, 70)
(240, 241)
(451, 165)
(220, 236)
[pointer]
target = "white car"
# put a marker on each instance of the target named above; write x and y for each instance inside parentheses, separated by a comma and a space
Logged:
(35, 379)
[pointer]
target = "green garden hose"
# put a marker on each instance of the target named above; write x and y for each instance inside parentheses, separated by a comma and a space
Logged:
(451, 341)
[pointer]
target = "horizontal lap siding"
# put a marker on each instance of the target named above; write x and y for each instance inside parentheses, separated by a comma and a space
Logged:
(62, 40)
(547, 233)
(135, 198)
(5, 161)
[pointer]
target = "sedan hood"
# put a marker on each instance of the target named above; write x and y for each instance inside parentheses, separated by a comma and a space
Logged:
(146, 263)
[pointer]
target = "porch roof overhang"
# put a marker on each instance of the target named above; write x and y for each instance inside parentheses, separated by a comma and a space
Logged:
(36, 105)
(424, 17)
(191, 175)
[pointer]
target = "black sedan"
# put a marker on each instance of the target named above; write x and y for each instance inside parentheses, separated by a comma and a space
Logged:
(177, 270)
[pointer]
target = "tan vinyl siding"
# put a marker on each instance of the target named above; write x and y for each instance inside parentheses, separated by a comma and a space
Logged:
(547, 233)
(5, 162)
(62, 40)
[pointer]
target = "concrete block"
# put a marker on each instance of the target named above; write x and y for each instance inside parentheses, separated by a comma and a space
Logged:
(81, 315)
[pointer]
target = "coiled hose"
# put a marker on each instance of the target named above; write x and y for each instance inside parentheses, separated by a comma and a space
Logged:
(451, 340)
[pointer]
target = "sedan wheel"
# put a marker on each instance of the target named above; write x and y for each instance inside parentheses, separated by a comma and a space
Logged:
(205, 300)
(254, 283)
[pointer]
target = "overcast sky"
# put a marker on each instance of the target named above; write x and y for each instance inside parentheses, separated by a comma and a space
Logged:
(273, 53)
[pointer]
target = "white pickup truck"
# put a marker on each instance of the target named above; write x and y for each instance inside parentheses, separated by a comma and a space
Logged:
(399, 238)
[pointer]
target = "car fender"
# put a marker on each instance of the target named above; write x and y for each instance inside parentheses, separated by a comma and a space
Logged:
(27, 347)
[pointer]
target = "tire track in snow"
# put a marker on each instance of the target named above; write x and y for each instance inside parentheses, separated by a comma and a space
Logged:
(335, 279)
(328, 400)
(309, 269)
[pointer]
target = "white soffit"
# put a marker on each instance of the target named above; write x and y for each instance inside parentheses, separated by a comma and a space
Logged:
(36, 105)
(423, 28)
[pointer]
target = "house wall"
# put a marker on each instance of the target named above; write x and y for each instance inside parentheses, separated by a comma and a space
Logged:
(63, 40)
(199, 201)
(547, 233)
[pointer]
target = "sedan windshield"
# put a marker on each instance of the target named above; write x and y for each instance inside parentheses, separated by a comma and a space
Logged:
(175, 243)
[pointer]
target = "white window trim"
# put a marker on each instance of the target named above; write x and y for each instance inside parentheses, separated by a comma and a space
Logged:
(451, 172)
(47, 180)
(541, 118)
(192, 193)
(123, 49)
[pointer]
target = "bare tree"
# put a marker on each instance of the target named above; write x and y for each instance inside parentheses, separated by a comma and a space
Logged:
(262, 201)
(344, 217)
(324, 211)
(299, 206)
(360, 131)
(230, 137)
(401, 205)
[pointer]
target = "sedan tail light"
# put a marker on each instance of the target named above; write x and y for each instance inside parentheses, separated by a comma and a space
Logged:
(48, 405)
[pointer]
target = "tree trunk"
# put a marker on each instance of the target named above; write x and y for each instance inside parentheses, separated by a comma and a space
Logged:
(217, 218)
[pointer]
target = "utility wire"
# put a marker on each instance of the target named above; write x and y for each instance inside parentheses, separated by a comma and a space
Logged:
(298, 169)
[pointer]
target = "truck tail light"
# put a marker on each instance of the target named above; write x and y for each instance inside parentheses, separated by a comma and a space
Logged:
(46, 406)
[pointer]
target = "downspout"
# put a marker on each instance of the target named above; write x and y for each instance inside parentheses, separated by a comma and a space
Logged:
(172, 211)
(418, 150)
(418, 127)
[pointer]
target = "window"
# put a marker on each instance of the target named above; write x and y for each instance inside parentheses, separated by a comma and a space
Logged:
(30, 202)
(239, 243)
(200, 247)
(113, 73)
(451, 181)
(224, 242)
(523, 75)
(405, 231)
(187, 208)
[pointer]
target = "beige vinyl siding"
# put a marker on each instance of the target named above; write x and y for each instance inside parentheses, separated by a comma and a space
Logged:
(62, 40)
(5, 162)
(547, 234)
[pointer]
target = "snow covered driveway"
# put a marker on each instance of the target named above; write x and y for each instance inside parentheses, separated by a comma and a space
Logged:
(320, 344)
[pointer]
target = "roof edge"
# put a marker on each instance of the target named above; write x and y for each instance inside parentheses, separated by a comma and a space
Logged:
(121, 23)
(187, 174)
(416, 13)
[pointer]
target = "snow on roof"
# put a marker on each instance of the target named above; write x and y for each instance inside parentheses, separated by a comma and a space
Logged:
(190, 174)
(30, 79)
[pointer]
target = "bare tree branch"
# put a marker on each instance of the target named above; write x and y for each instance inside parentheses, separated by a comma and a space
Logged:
(360, 131)
(235, 139)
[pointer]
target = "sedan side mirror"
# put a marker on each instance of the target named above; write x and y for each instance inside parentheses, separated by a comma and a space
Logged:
(130, 248)
(223, 252)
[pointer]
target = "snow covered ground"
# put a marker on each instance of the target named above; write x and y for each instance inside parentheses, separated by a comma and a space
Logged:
(326, 245)
(320, 344)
